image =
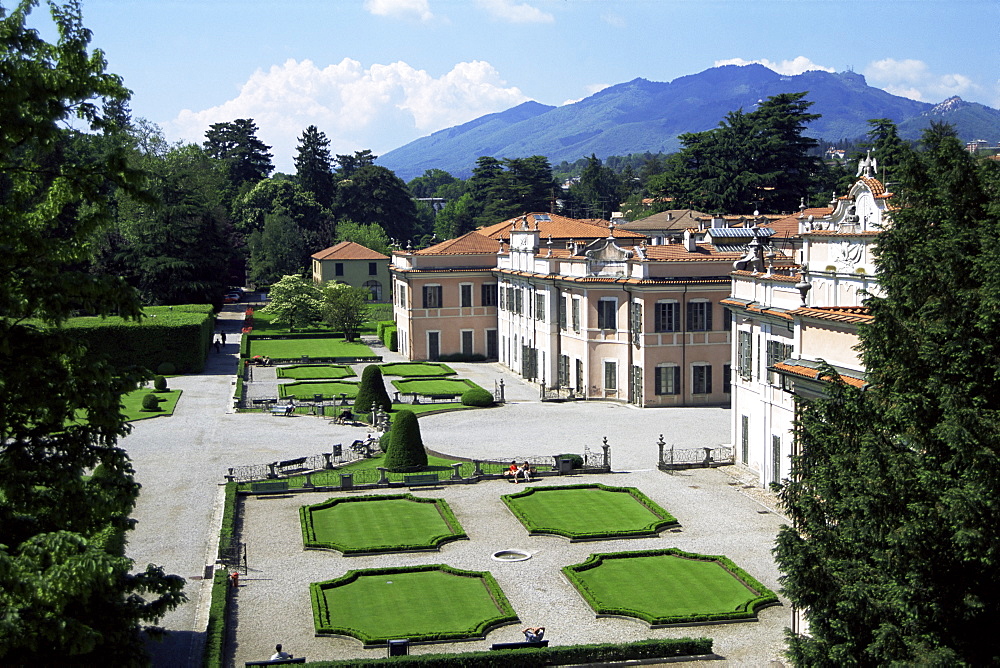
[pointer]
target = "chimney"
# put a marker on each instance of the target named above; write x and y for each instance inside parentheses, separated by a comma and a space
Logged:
(689, 241)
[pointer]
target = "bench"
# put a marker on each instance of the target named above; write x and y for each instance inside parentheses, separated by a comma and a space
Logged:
(442, 397)
(282, 410)
(421, 479)
(290, 466)
(519, 645)
(270, 487)
(277, 662)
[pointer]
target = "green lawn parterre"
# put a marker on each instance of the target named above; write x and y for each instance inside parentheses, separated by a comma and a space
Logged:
(427, 603)
(295, 348)
(434, 386)
(588, 512)
(379, 523)
(416, 369)
(665, 587)
(307, 389)
(314, 371)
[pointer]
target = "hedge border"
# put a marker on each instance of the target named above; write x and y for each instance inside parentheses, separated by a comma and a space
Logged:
(763, 597)
(321, 612)
(283, 393)
(282, 371)
(445, 369)
(433, 542)
(666, 519)
(658, 648)
(213, 655)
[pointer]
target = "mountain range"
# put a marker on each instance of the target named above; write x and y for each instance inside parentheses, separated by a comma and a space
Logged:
(640, 116)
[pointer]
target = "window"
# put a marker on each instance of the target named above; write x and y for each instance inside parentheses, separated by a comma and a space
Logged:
(402, 295)
(539, 306)
(563, 378)
(338, 268)
(373, 268)
(727, 378)
(744, 356)
(489, 294)
(466, 341)
(607, 311)
(745, 438)
(701, 381)
(668, 380)
(562, 312)
(432, 296)
(579, 376)
(776, 352)
(635, 388)
(636, 324)
(610, 375)
(775, 458)
(699, 316)
(667, 317)
(576, 314)
(465, 294)
(727, 319)
(518, 301)
(375, 288)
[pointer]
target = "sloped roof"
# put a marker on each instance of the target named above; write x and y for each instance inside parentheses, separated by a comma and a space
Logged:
(470, 243)
(679, 253)
(809, 372)
(348, 250)
(789, 225)
(674, 219)
(846, 314)
(559, 227)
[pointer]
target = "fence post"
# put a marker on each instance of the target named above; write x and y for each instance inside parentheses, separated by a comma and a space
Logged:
(270, 470)
(456, 475)
(383, 477)
(308, 484)
(660, 444)
(479, 468)
(607, 454)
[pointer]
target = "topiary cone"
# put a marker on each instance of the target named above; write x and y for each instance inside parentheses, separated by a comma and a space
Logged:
(371, 391)
(406, 447)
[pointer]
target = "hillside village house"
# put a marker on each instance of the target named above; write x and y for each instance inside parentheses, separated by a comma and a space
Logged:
(580, 307)
(785, 322)
(355, 265)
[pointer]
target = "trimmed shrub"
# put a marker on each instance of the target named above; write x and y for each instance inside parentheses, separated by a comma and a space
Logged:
(381, 326)
(406, 447)
(390, 337)
(150, 402)
(371, 391)
(383, 442)
(577, 460)
(166, 369)
(160, 384)
(477, 396)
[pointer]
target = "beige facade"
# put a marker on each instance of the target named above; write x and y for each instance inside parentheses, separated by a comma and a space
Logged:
(355, 265)
(790, 319)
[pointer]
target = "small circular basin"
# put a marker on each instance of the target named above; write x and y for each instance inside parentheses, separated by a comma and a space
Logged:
(511, 555)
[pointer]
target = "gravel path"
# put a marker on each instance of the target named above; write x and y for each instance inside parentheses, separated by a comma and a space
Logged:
(180, 462)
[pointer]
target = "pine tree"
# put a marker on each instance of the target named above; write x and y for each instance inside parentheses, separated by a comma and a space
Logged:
(895, 552)
(406, 447)
(314, 166)
(236, 144)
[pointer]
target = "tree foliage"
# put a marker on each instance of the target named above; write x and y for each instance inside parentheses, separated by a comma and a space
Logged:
(371, 391)
(406, 446)
(345, 308)
(373, 194)
(314, 166)
(296, 301)
(895, 552)
(247, 158)
(67, 592)
(502, 189)
(370, 236)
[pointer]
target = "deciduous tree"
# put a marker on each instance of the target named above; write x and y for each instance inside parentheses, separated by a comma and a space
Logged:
(296, 301)
(345, 308)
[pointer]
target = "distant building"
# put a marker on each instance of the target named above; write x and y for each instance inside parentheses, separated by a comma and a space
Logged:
(353, 264)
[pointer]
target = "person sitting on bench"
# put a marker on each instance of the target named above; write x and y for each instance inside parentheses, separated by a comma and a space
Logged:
(511, 471)
(280, 654)
(525, 471)
(533, 634)
(346, 416)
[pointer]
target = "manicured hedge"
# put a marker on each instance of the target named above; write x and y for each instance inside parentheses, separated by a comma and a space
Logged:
(215, 635)
(381, 326)
(462, 357)
(180, 335)
(477, 396)
(390, 337)
(531, 658)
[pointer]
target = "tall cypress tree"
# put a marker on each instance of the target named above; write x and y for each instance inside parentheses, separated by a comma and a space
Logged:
(314, 166)
(895, 552)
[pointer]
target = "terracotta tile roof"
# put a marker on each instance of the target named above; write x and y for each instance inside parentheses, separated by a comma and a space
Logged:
(348, 250)
(808, 372)
(789, 225)
(782, 278)
(679, 253)
(845, 314)
(471, 243)
(835, 233)
(691, 280)
(559, 227)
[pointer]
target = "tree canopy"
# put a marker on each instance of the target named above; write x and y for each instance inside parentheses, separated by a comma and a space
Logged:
(295, 301)
(345, 308)
(313, 165)
(67, 591)
(248, 158)
(895, 553)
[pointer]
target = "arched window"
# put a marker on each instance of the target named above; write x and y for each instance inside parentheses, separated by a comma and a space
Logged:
(375, 288)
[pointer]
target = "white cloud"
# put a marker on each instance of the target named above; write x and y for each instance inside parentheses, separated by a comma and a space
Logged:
(514, 12)
(792, 67)
(400, 8)
(915, 80)
(381, 107)
(591, 89)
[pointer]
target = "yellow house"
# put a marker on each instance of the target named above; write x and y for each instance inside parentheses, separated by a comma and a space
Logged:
(354, 264)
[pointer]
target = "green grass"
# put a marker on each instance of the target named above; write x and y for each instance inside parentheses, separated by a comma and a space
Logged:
(263, 323)
(668, 587)
(310, 371)
(588, 512)
(416, 369)
(293, 348)
(434, 386)
(422, 603)
(306, 390)
(132, 403)
(379, 523)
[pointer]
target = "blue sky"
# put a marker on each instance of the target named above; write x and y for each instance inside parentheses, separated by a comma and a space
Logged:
(380, 73)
